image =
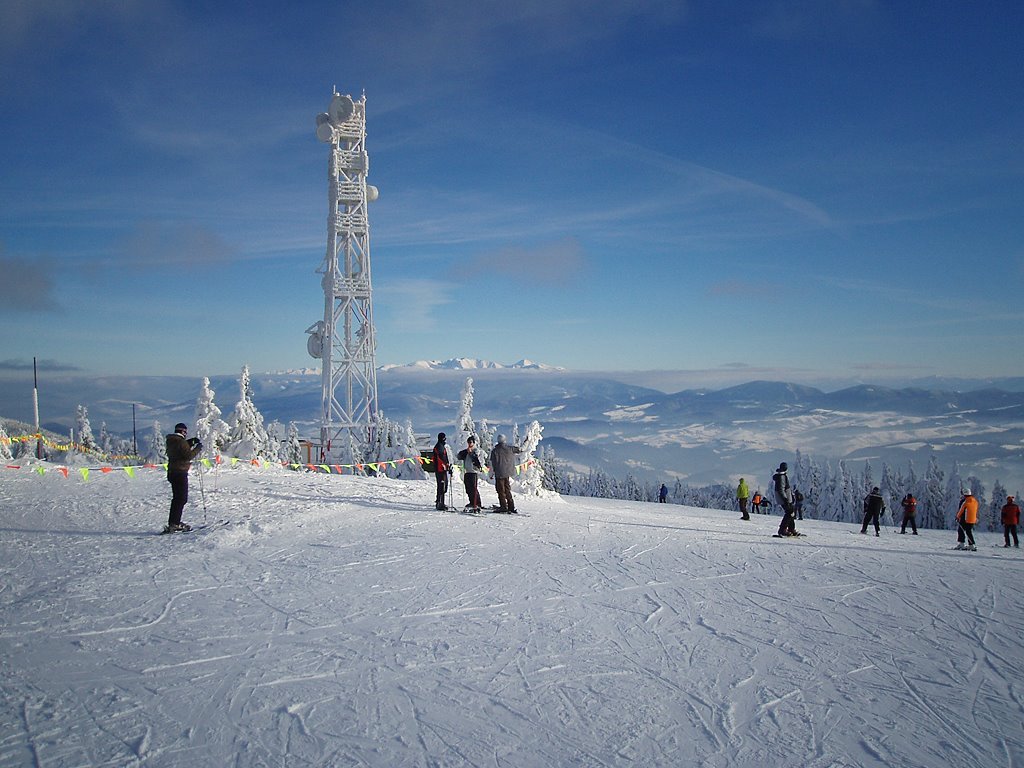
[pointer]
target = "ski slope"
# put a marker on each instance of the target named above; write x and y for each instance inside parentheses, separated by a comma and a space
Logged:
(341, 621)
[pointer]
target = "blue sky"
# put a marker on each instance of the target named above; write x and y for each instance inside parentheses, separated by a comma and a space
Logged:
(779, 189)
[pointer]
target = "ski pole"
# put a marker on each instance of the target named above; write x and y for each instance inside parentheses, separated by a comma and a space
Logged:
(202, 489)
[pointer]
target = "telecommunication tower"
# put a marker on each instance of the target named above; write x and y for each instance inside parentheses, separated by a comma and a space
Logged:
(344, 340)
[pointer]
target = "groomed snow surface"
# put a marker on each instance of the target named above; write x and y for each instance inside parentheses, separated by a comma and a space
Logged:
(341, 621)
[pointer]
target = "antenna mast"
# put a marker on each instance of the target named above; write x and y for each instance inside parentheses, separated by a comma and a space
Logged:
(345, 340)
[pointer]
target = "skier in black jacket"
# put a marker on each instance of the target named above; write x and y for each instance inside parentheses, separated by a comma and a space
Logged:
(873, 506)
(180, 452)
(784, 496)
(442, 461)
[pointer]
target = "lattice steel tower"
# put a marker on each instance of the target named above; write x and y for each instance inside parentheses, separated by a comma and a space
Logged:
(344, 340)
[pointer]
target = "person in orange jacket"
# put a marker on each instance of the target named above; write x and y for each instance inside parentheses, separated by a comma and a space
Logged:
(1011, 517)
(967, 517)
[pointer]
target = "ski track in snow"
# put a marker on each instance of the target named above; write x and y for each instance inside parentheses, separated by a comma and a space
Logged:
(340, 621)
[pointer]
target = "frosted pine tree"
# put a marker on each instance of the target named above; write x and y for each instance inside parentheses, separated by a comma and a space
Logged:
(531, 480)
(291, 448)
(890, 494)
(211, 430)
(275, 439)
(83, 430)
(406, 441)
(155, 451)
(106, 441)
(486, 437)
(954, 495)
(850, 498)
(464, 424)
(5, 444)
(930, 496)
(247, 438)
(995, 507)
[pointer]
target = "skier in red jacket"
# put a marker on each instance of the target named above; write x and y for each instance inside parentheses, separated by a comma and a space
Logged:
(1011, 517)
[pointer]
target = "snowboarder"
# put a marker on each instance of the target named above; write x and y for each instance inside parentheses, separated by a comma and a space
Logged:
(1011, 517)
(798, 504)
(742, 495)
(873, 506)
(442, 461)
(909, 505)
(784, 496)
(503, 465)
(471, 466)
(663, 494)
(180, 452)
(967, 517)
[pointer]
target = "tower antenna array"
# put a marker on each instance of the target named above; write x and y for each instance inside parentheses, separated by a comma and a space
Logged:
(345, 340)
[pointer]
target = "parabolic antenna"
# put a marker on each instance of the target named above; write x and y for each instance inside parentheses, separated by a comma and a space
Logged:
(341, 109)
(372, 193)
(324, 132)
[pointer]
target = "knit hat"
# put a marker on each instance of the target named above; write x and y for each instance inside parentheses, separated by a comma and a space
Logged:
(501, 438)
(441, 436)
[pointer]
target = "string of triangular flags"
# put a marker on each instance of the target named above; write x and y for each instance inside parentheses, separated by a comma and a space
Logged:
(336, 469)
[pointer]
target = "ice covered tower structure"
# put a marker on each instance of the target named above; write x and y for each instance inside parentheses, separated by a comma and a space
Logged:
(344, 341)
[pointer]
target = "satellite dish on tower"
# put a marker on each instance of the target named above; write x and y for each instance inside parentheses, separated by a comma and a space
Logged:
(324, 131)
(341, 109)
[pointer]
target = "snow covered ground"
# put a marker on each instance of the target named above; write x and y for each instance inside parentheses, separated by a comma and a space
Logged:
(339, 621)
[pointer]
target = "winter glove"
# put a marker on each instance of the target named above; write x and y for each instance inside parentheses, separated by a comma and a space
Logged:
(193, 441)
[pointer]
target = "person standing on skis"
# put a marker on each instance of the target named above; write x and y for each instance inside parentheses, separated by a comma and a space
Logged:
(1011, 517)
(503, 464)
(742, 495)
(967, 518)
(873, 506)
(909, 505)
(180, 452)
(472, 463)
(442, 460)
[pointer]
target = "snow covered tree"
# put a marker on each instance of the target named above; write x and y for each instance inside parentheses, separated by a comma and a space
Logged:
(995, 507)
(486, 437)
(275, 438)
(406, 442)
(951, 501)
(155, 451)
(5, 444)
(931, 502)
(890, 489)
(464, 424)
(291, 449)
(211, 430)
(83, 430)
(247, 438)
(531, 479)
(106, 441)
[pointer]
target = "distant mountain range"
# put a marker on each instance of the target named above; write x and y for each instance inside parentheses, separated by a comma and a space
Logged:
(599, 421)
(469, 364)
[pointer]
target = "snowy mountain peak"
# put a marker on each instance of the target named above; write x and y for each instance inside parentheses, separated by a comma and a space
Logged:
(469, 364)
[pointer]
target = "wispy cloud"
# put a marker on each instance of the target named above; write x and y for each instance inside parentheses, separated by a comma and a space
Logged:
(21, 366)
(26, 286)
(161, 244)
(411, 305)
(558, 263)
